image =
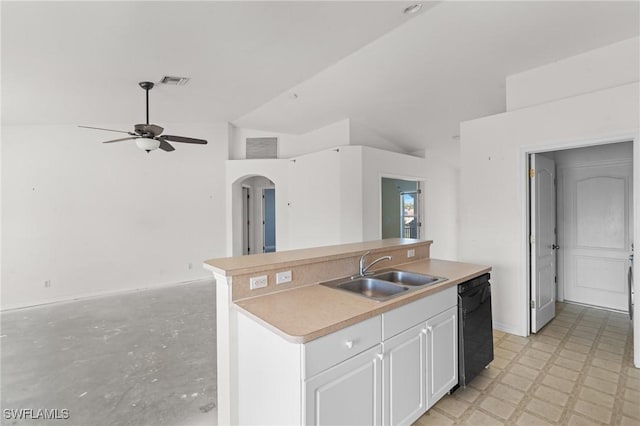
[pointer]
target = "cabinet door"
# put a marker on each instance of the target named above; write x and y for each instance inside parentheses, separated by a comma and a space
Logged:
(349, 393)
(405, 377)
(442, 354)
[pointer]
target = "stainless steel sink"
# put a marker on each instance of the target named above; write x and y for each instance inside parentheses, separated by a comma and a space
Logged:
(408, 278)
(384, 285)
(372, 288)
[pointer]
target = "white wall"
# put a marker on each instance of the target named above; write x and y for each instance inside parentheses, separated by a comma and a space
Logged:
(604, 68)
(95, 218)
(492, 209)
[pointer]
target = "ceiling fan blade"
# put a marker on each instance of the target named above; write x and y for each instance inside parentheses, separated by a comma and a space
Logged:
(118, 140)
(183, 139)
(165, 146)
(108, 130)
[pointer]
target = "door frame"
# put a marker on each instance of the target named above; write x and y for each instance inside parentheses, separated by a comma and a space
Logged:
(421, 185)
(523, 168)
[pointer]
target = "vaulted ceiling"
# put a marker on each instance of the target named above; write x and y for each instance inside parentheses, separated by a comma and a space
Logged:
(410, 78)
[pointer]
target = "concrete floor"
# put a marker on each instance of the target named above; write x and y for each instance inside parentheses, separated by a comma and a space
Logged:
(141, 358)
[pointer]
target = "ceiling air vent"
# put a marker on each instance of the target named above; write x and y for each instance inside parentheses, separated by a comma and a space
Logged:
(176, 81)
(262, 148)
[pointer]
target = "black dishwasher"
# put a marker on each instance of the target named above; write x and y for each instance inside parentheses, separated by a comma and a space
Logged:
(475, 330)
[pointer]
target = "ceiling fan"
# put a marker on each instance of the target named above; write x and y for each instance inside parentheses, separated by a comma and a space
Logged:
(149, 136)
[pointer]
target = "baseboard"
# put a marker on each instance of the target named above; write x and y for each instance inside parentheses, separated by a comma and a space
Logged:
(507, 328)
(97, 294)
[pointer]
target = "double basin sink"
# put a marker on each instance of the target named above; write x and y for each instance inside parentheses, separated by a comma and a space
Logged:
(384, 285)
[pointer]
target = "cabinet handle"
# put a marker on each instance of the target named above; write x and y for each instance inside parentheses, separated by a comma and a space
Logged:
(349, 344)
(380, 357)
(429, 329)
(424, 331)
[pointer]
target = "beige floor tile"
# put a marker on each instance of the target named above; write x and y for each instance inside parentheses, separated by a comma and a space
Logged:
(499, 408)
(468, 394)
(552, 395)
(452, 406)
(577, 348)
(546, 347)
(498, 333)
(581, 341)
(577, 420)
(511, 346)
(518, 382)
(631, 409)
(527, 419)
(584, 334)
(535, 353)
(490, 372)
(433, 418)
(503, 353)
(563, 373)
(576, 356)
(593, 411)
(597, 397)
(601, 385)
(544, 409)
(481, 383)
(481, 419)
(507, 393)
(633, 372)
(607, 355)
(569, 363)
(603, 374)
(632, 395)
(500, 363)
(548, 340)
(616, 349)
(536, 363)
(525, 371)
(517, 339)
(628, 421)
(615, 366)
(559, 384)
(633, 384)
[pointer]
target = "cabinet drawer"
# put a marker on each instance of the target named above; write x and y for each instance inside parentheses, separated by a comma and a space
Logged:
(333, 348)
(404, 317)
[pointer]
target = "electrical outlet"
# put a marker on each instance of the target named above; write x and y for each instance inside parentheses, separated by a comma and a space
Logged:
(411, 253)
(283, 277)
(258, 282)
(47, 283)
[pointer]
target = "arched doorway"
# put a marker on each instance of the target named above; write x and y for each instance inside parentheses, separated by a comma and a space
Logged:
(254, 215)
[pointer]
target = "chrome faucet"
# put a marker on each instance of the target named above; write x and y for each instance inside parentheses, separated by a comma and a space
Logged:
(362, 270)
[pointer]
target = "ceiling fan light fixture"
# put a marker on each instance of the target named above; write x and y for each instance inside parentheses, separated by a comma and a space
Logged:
(147, 144)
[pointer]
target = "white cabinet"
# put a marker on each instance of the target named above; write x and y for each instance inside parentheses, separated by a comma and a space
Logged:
(349, 393)
(442, 354)
(388, 369)
(405, 376)
(420, 367)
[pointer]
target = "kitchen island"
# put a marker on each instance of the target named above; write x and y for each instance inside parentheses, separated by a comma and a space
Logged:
(281, 346)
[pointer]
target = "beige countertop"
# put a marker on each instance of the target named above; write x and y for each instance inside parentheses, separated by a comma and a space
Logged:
(305, 313)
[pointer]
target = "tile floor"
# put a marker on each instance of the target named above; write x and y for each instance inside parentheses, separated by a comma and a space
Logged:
(577, 371)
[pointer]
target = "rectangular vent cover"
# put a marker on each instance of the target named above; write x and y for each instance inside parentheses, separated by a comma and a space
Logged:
(262, 148)
(177, 81)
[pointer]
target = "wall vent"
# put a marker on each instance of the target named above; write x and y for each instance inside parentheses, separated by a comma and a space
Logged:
(262, 148)
(176, 81)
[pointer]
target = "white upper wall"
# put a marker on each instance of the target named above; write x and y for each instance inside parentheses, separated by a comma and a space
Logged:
(493, 170)
(607, 67)
(95, 219)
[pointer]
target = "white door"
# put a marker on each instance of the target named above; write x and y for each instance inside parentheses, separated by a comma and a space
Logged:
(597, 233)
(405, 377)
(543, 240)
(348, 394)
(442, 354)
